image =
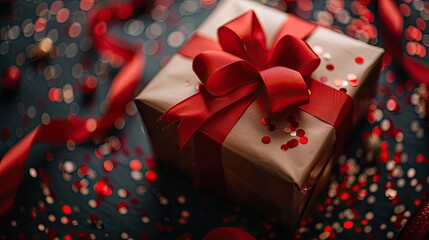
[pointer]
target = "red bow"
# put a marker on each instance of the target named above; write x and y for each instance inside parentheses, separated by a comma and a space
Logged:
(234, 76)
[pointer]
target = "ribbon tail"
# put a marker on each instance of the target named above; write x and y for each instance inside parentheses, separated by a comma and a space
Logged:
(12, 166)
(123, 89)
(418, 71)
(189, 116)
(392, 22)
(194, 111)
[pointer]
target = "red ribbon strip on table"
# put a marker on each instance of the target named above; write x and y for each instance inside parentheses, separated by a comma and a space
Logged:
(392, 29)
(79, 130)
(239, 68)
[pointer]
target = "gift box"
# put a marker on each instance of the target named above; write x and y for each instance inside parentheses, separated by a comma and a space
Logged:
(260, 104)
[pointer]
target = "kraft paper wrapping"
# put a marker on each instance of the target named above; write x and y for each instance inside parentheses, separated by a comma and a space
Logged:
(263, 176)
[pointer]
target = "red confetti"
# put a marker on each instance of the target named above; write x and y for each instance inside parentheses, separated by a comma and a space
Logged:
(284, 147)
(135, 165)
(292, 143)
(151, 175)
(300, 132)
(348, 224)
(266, 139)
(102, 189)
(266, 120)
(303, 140)
(67, 209)
(359, 60)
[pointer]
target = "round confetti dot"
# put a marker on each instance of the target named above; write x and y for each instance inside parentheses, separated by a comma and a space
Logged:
(391, 193)
(292, 143)
(122, 208)
(85, 5)
(391, 104)
(40, 24)
(300, 132)
(122, 193)
(420, 158)
(266, 139)
(348, 224)
(135, 165)
(75, 30)
(175, 39)
(330, 67)
(69, 166)
(284, 147)
(145, 219)
(353, 80)
(67, 209)
(338, 82)
(91, 125)
(102, 189)
(32, 172)
(63, 15)
(108, 166)
(151, 175)
(266, 120)
(323, 79)
(359, 60)
(303, 140)
(136, 175)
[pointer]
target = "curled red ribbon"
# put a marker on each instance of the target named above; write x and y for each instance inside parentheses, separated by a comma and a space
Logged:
(244, 68)
(79, 130)
(393, 31)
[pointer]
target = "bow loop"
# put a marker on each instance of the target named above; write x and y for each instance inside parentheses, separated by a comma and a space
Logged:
(281, 97)
(294, 53)
(221, 72)
(244, 38)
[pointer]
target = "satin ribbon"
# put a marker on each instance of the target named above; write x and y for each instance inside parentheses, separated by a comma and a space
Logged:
(243, 69)
(79, 130)
(393, 31)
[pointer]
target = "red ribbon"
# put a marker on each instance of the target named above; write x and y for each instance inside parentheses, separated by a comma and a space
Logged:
(80, 130)
(233, 77)
(393, 32)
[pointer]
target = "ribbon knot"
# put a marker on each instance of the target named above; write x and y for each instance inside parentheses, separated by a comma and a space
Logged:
(245, 68)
